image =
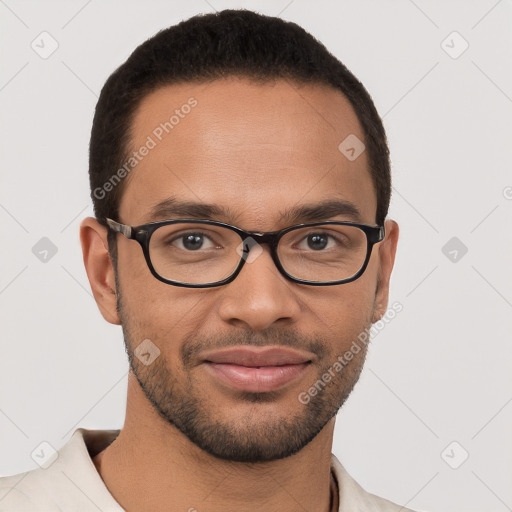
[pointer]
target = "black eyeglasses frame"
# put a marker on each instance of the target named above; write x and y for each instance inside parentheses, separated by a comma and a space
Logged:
(142, 234)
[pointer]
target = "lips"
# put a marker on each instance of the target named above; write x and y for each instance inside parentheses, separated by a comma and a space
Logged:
(256, 356)
(257, 369)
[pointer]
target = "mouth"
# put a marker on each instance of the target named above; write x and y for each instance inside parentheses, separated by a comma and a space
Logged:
(256, 379)
(257, 369)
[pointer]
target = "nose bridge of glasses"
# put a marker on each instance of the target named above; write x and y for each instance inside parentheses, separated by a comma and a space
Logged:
(269, 238)
(252, 247)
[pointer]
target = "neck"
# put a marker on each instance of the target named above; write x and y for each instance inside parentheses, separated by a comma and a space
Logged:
(151, 466)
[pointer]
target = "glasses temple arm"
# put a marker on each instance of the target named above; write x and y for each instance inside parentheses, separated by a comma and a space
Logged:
(127, 231)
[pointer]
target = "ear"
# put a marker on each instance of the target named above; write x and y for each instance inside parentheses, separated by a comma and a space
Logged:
(387, 251)
(99, 268)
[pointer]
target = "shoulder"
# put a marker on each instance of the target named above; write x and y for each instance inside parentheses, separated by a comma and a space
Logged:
(354, 498)
(69, 482)
(25, 492)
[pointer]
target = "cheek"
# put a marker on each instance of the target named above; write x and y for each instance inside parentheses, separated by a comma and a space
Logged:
(143, 293)
(347, 312)
(165, 314)
(134, 272)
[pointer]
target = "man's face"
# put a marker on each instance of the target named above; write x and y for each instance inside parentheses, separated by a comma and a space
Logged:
(256, 150)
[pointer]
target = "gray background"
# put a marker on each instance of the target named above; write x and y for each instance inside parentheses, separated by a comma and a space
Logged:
(438, 373)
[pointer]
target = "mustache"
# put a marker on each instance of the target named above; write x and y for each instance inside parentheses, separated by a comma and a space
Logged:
(194, 345)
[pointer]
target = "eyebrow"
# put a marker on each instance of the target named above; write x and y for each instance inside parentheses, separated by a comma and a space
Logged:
(171, 208)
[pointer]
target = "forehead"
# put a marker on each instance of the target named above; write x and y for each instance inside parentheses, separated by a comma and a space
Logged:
(254, 149)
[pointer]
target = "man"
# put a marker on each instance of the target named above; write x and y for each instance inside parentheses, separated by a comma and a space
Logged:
(240, 180)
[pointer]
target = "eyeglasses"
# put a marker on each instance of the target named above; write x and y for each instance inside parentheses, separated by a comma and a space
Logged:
(205, 253)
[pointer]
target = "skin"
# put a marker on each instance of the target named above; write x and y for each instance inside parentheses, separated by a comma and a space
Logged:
(257, 149)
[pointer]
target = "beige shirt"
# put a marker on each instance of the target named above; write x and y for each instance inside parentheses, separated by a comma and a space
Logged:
(71, 483)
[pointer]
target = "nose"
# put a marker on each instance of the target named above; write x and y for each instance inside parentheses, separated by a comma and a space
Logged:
(260, 295)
